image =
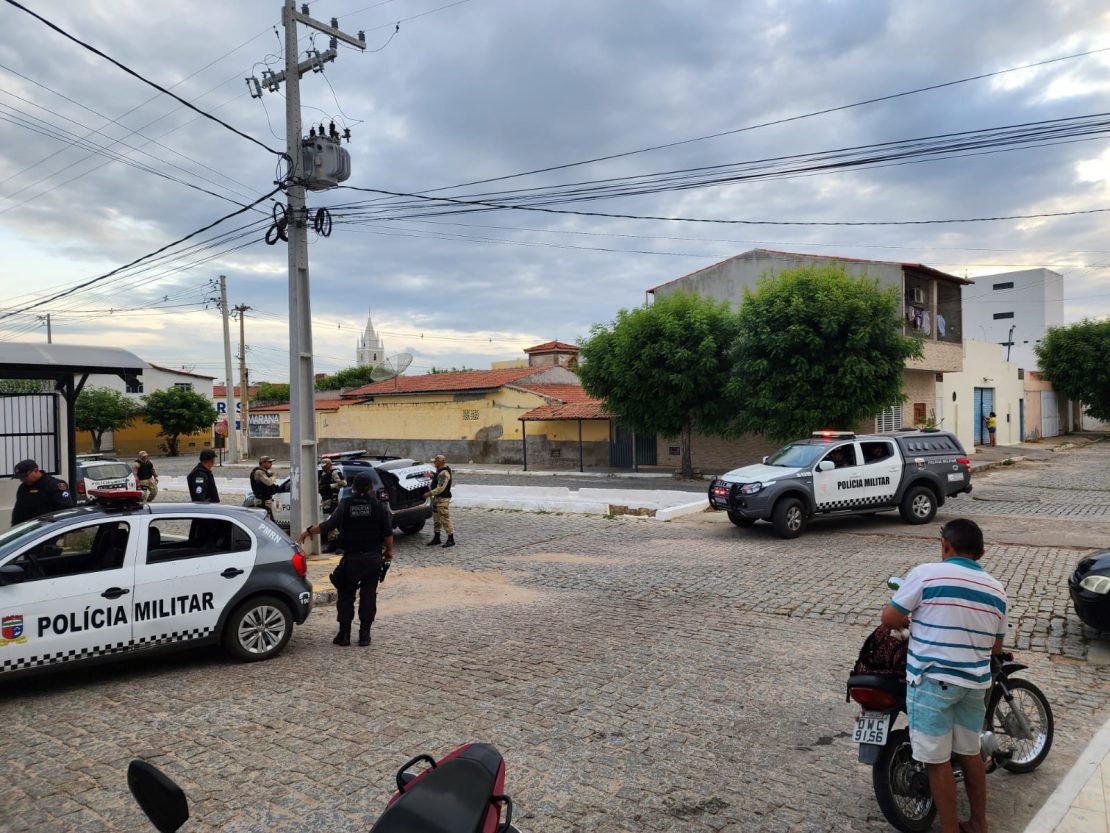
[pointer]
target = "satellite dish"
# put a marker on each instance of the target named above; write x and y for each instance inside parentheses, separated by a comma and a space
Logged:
(391, 367)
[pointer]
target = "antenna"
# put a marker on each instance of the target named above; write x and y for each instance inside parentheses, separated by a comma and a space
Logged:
(391, 367)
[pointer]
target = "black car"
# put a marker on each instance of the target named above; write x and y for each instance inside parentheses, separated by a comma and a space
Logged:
(398, 482)
(1090, 590)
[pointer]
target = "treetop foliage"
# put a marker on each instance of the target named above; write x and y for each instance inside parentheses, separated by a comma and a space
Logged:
(1076, 359)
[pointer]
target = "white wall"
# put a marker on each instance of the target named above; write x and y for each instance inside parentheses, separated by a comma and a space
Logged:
(982, 360)
(152, 379)
(1036, 301)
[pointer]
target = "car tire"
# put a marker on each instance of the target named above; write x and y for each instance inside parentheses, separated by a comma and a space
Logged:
(919, 505)
(413, 527)
(789, 517)
(740, 520)
(258, 629)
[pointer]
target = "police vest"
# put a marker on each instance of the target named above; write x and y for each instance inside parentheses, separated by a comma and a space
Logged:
(324, 482)
(446, 493)
(261, 490)
(146, 470)
(361, 525)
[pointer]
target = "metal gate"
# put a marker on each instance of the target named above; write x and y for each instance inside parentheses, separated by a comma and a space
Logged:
(628, 450)
(1050, 414)
(29, 429)
(984, 404)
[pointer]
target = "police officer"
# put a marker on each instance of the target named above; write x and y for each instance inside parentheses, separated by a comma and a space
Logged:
(364, 526)
(441, 503)
(264, 484)
(38, 493)
(330, 481)
(146, 476)
(202, 485)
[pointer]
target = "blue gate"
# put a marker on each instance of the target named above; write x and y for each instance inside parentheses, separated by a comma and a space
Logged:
(984, 404)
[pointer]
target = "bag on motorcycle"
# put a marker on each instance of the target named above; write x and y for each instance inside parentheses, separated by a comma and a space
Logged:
(883, 654)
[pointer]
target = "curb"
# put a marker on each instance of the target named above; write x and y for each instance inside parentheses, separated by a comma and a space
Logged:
(996, 464)
(1060, 802)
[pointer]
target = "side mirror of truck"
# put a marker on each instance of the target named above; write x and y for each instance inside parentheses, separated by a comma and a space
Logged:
(826, 465)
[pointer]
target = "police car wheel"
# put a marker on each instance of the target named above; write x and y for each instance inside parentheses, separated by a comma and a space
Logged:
(789, 517)
(919, 505)
(258, 629)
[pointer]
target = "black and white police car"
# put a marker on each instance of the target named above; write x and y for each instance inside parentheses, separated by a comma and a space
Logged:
(122, 578)
(840, 473)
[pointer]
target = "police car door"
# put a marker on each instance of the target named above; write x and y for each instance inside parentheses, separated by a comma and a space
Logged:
(75, 599)
(841, 487)
(191, 567)
(881, 470)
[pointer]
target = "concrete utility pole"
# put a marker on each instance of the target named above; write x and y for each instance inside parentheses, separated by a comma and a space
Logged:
(304, 510)
(244, 389)
(49, 333)
(232, 439)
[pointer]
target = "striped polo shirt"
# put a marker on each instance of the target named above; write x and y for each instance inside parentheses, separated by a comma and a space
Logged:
(958, 611)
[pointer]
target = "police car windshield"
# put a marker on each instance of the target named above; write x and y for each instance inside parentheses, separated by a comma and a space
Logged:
(796, 456)
(21, 530)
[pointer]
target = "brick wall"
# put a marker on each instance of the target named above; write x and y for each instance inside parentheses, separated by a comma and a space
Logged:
(716, 455)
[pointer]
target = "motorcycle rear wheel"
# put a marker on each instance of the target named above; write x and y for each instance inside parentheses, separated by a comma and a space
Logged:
(903, 803)
(1028, 753)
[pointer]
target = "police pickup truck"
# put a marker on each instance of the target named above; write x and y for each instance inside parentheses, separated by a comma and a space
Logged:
(840, 473)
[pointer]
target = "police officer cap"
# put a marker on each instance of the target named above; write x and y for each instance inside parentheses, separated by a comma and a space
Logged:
(208, 454)
(25, 467)
(362, 482)
(143, 454)
(262, 460)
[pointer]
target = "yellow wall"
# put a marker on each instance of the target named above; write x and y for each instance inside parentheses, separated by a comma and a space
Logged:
(144, 437)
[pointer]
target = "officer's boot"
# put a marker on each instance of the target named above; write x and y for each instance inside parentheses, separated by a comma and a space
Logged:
(344, 636)
(450, 540)
(435, 540)
(363, 635)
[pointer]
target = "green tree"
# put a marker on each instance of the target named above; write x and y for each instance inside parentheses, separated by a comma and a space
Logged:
(275, 393)
(661, 369)
(178, 411)
(436, 370)
(102, 409)
(21, 386)
(1076, 359)
(351, 377)
(817, 348)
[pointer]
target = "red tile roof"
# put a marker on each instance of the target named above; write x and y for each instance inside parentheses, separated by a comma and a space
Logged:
(321, 405)
(551, 346)
(562, 393)
(591, 409)
(442, 382)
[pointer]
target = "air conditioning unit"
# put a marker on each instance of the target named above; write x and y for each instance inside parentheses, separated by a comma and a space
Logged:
(915, 295)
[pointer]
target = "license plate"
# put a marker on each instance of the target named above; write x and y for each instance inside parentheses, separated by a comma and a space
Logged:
(955, 478)
(871, 727)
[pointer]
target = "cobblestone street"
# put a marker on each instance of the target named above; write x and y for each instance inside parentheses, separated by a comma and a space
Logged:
(678, 676)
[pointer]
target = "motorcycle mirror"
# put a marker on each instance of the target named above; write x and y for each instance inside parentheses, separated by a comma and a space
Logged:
(894, 582)
(159, 797)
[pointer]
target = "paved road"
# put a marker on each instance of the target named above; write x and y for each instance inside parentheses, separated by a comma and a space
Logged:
(640, 676)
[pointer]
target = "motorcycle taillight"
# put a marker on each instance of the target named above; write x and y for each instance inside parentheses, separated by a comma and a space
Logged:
(872, 698)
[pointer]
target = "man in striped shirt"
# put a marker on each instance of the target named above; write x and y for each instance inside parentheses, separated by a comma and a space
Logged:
(959, 619)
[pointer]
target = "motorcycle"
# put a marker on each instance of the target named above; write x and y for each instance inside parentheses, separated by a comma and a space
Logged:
(1017, 735)
(462, 792)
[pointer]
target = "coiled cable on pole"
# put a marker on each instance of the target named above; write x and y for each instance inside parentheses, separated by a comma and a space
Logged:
(279, 229)
(321, 222)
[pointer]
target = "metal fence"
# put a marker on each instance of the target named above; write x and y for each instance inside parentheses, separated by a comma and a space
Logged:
(29, 429)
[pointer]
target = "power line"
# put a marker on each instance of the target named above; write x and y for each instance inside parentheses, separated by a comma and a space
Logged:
(136, 75)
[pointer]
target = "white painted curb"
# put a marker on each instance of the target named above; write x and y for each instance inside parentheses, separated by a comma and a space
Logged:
(1058, 804)
(685, 509)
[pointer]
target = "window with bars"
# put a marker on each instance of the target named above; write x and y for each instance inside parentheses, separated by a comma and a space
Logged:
(889, 420)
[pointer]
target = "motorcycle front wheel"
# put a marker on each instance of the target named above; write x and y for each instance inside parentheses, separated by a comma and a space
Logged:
(1028, 752)
(902, 786)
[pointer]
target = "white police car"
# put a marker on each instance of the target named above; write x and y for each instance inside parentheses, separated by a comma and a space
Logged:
(122, 578)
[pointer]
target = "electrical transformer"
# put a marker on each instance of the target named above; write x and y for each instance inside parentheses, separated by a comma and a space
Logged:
(324, 163)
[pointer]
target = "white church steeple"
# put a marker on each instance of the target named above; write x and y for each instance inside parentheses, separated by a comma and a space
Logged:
(370, 351)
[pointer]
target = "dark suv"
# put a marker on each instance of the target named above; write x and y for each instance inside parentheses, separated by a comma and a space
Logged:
(398, 482)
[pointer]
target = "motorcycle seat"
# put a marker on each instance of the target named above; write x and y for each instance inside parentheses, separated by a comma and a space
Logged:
(891, 684)
(452, 798)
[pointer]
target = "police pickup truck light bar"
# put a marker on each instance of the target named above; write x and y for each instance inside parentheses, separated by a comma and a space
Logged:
(834, 435)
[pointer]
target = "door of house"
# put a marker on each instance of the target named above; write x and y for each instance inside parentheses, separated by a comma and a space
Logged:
(1050, 414)
(1021, 420)
(984, 404)
(628, 449)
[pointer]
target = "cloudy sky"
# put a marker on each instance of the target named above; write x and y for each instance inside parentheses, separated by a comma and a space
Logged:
(98, 169)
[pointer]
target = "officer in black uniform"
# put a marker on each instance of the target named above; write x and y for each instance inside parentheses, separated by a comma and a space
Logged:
(202, 485)
(364, 526)
(38, 493)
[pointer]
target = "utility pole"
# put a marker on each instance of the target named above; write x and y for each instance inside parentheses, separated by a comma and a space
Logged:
(244, 390)
(49, 334)
(232, 439)
(304, 509)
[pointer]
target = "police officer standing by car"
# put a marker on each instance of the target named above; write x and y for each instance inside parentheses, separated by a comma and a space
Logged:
(264, 484)
(202, 485)
(364, 527)
(441, 502)
(146, 476)
(38, 493)
(329, 483)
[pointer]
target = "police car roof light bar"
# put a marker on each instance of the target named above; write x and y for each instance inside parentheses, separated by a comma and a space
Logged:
(343, 455)
(117, 497)
(837, 435)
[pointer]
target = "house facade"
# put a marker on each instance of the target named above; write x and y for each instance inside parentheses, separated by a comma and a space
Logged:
(1015, 309)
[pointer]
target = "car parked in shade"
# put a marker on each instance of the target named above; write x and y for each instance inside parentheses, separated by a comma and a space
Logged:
(1089, 586)
(125, 578)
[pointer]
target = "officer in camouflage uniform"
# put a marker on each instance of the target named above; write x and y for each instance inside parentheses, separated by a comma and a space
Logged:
(441, 503)
(264, 484)
(146, 476)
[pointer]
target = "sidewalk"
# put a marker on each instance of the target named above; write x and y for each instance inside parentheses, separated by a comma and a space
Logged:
(1081, 803)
